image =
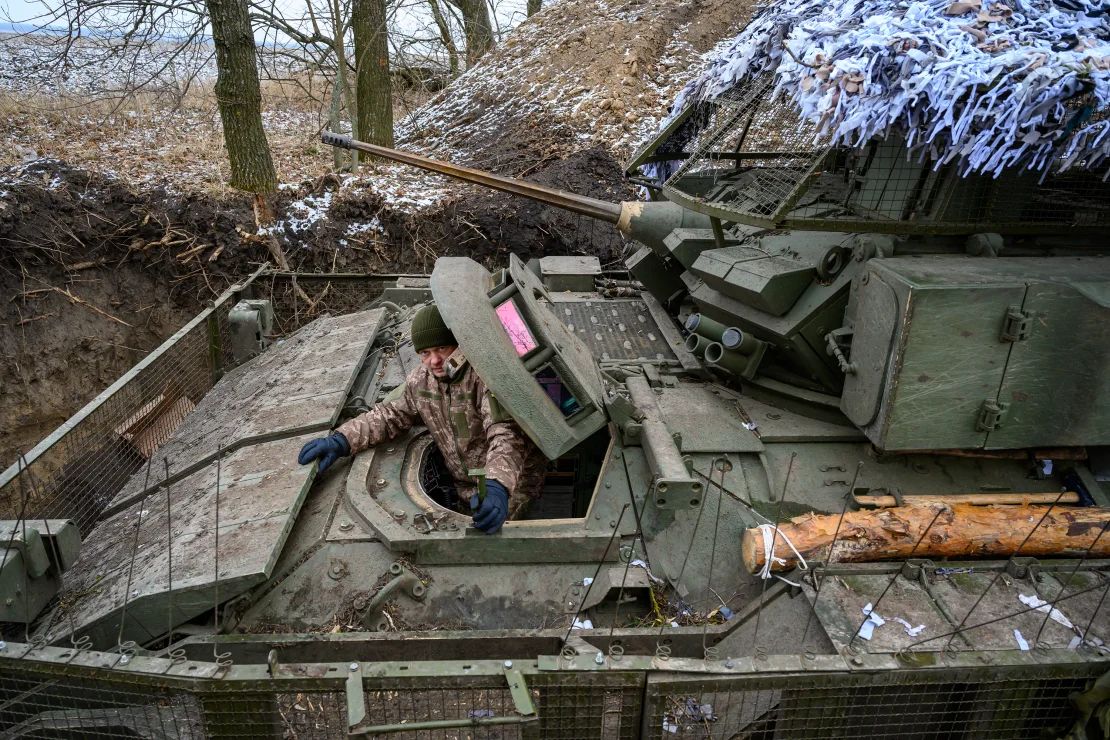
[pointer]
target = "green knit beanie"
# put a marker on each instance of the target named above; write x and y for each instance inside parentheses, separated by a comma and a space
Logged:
(428, 330)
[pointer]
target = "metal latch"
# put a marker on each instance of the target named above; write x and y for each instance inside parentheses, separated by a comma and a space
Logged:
(1015, 325)
(990, 415)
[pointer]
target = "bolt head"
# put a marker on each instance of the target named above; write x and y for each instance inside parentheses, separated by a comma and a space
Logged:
(125, 660)
(508, 664)
(599, 658)
(353, 666)
(729, 664)
(856, 660)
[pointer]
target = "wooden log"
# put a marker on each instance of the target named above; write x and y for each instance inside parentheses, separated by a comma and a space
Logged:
(979, 499)
(959, 531)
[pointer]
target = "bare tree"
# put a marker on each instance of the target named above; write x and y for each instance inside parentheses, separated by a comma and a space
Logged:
(140, 44)
(131, 44)
(341, 90)
(477, 28)
(534, 7)
(446, 38)
(373, 88)
(406, 48)
(240, 98)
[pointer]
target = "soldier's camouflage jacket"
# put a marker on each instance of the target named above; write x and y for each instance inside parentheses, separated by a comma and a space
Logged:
(468, 428)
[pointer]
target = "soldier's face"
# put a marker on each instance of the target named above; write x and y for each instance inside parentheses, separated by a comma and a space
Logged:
(435, 359)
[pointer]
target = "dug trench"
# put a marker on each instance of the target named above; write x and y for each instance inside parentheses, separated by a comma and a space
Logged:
(96, 272)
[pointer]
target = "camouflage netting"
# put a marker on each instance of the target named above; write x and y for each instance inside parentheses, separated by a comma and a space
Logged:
(986, 85)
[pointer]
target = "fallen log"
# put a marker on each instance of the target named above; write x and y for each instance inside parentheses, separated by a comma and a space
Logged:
(979, 499)
(950, 531)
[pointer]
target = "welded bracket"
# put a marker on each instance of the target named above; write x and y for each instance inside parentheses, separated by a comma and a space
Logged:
(522, 698)
(523, 706)
(402, 582)
(356, 699)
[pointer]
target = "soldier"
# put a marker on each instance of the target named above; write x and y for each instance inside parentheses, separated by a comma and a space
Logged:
(463, 419)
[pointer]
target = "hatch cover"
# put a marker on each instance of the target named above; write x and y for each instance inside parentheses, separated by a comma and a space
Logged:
(302, 381)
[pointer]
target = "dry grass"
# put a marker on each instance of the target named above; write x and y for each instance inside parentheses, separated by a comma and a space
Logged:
(155, 139)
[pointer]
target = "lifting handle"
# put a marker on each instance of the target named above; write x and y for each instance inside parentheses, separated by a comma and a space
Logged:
(356, 709)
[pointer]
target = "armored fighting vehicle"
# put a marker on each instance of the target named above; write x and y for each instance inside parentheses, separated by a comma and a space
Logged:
(802, 332)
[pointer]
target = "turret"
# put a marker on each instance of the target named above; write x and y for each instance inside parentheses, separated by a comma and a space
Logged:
(840, 273)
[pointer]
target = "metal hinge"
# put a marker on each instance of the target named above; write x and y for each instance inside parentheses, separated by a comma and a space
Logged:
(990, 415)
(838, 343)
(1015, 325)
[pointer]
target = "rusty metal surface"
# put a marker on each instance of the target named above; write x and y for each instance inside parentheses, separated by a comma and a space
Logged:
(599, 209)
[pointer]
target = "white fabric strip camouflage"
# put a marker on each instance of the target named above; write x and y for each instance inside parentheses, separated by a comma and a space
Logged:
(988, 85)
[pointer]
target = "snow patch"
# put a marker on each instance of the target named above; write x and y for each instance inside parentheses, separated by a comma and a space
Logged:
(302, 215)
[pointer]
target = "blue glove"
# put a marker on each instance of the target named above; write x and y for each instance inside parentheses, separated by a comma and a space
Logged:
(326, 449)
(492, 512)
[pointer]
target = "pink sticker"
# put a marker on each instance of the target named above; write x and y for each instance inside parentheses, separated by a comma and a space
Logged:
(521, 337)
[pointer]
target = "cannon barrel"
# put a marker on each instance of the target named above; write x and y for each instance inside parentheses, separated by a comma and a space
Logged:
(582, 204)
(647, 222)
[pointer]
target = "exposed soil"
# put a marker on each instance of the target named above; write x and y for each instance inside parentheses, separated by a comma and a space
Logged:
(91, 285)
(105, 254)
(98, 273)
(487, 225)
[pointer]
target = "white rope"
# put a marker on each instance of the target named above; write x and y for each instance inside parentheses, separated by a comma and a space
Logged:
(768, 531)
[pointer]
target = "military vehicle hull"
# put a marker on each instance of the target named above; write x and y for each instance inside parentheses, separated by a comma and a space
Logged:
(817, 317)
(225, 590)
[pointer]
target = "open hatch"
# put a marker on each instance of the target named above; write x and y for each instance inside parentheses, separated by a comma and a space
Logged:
(540, 374)
(538, 371)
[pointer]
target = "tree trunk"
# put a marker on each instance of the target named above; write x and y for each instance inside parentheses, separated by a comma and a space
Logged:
(476, 27)
(373, 90)
(534, 7)
(446, 38)
(240, 98)
(337, 155)
(879, 501)
(960, 531)
(341, 91)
